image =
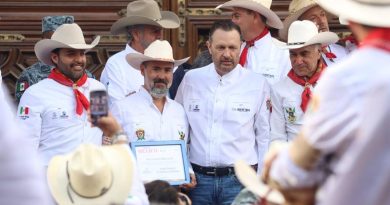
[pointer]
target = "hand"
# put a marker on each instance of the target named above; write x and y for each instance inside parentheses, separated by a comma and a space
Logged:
(190, 185)
(107, 124)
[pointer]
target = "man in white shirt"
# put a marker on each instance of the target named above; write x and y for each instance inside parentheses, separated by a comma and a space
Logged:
(343, 147)
(21, 177)
(55, 109)
(143, 24)
(310, 10)
(149, 114)
(229, 120)
(291, 95)
(259, 52)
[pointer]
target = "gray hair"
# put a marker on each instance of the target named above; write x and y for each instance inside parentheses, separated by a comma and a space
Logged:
(132, 28)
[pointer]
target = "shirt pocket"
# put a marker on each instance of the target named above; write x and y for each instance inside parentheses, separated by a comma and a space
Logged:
(292, 111)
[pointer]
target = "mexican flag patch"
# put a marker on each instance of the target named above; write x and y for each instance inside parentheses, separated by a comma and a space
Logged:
(23, 111)
(22, 86)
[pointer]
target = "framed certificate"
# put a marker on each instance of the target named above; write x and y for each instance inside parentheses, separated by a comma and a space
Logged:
(163, 160)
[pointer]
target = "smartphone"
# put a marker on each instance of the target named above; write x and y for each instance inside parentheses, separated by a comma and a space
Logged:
(98, 105)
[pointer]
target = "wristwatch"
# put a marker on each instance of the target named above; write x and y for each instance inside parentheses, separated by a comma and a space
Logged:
(120, 137)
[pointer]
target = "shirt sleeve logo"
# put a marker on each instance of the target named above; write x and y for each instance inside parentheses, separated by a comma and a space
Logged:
(24, 112)
(22, 86)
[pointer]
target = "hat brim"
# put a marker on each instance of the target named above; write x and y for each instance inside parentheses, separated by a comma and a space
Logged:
(372, 15)
(323, 38)
(272, 18)
(252, 182)
(283, 33)
(44, 47)
(121, 163)
(168, 20)
(136, 59)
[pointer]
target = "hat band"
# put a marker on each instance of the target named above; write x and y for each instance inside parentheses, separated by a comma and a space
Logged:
(295, 44)
(70, 187)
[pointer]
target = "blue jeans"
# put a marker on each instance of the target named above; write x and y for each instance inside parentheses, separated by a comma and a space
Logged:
(211, 190)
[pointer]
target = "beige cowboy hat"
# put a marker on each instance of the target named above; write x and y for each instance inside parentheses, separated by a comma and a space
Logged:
(145, 12)
(305, 33)
(263, 7)
(295, 11)
(252, 182)
(91, 175)
(65, 36)
(157, 51)
(368, 12)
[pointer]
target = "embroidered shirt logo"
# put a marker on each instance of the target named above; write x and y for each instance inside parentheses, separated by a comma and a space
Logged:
(24, 113)
(291, 115)
(22, 86)
(182, 135)
(140, 133)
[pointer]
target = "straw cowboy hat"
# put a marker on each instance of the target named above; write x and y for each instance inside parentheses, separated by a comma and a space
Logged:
(368, 12)
(252, 182)
(156, 51)
(65, 36)
(91, 175)
(305, 33)
(295, 11)
(263, 7)
(145, 12)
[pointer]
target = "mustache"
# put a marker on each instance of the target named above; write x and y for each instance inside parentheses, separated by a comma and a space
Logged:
(77, 64)
(159, 80)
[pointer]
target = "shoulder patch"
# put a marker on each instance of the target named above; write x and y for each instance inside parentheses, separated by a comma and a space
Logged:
(22, 86)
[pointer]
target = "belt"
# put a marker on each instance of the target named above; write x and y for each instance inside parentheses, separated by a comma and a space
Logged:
(216, 171)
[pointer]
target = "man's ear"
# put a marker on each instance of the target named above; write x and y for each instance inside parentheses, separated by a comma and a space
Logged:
(142, 69)
(208, 44)
(54, 57)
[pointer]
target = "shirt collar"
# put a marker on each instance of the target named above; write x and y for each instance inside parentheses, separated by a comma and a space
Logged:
(146, 95)
(129, 49)
(228, 78)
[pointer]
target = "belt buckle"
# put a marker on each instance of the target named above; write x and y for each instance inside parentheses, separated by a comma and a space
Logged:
(214, 172)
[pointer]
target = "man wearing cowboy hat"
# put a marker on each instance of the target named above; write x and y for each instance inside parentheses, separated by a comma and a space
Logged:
(143, 24)
(258, 52)
(310, 10)
(291, 95)
(39, 70)
(139, 113)
(343, 147)
(226, 109)
(55, 109)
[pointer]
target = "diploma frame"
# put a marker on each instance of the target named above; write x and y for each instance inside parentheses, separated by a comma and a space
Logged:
(159, 144)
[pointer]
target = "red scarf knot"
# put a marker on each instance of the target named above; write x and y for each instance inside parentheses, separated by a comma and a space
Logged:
(81, 100)
(328, 54)
(307, 94)
(249, 44)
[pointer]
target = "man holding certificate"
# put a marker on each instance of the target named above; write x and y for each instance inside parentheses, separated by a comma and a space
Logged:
(149, 115)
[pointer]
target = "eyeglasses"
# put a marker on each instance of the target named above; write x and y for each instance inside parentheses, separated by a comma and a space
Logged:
(69, 187)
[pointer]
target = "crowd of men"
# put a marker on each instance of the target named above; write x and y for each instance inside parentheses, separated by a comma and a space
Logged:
(306, 115)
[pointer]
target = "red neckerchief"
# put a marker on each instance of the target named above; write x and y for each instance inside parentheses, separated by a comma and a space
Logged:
(306, 94)
(378, 38)
(328, 54)
(81, 100)
(250, 44)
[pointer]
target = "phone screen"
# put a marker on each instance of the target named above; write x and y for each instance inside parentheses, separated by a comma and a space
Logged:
(98, 105)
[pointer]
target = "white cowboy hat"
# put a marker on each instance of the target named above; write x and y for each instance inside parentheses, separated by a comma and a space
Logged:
(295, 11)
(305, 33)
(65, 36)
(263, 7)
(368, 12)
(252, 182)
(145, 12)
(91, 175)
(157, 51)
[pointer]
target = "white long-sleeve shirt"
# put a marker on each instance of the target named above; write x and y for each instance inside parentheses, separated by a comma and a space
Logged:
(348, 122)
(228, 116)
(286, 115)
(138, 114)
(120, 78)
(266, 58)
(22, 179)
(48, 110)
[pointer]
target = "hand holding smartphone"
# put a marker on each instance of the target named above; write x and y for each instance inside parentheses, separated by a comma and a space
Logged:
(98, 105)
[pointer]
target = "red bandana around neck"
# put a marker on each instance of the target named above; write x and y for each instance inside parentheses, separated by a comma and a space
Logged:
(250, 44)
(81, 100)
(306, 94)
(378, 38)
(328, 54)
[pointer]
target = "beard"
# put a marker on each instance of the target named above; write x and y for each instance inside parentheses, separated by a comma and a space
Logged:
(160, 92)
